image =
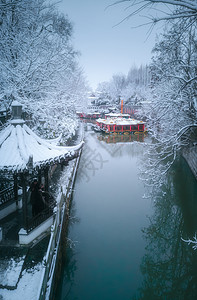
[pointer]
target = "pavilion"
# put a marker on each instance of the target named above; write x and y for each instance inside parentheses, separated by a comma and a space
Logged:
(24, 156)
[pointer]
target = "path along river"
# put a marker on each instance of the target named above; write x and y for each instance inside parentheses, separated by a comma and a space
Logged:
(128, 246)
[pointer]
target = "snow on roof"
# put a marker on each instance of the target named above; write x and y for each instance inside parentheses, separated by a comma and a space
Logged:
(17, 121)
(2, 108)
(16, 103)
(119, 121)
(116, 115)
(19, 143)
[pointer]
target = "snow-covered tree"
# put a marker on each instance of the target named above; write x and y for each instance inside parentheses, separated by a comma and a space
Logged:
(173, 112)
(118, 83)
(103, 89)
(38, 65)
(132, 88)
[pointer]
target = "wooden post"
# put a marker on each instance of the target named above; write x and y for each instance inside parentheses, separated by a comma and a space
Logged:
(39, 175)
(15, 189)
(121, 106)
(24, 199)
(46, 178)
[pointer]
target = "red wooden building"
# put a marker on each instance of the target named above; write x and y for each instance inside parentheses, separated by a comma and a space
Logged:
(120, 125)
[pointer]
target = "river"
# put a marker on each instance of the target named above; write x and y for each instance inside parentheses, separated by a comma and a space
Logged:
(124, 245)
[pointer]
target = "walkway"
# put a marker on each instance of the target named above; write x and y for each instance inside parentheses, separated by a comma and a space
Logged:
(14, 258)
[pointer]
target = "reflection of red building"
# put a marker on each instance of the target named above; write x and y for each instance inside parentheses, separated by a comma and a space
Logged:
(120, 125)
(120, 138)
(93, 115)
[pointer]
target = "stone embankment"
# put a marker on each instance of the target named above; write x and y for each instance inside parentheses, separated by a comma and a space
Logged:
(190, 155)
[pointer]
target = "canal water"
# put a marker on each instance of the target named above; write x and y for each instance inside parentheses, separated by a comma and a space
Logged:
(124, 245)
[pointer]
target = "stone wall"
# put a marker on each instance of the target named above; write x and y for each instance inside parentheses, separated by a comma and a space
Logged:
(190, 156)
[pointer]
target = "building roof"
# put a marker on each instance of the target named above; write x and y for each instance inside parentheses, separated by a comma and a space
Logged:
(19, 146)
(119, 121)
(117, 115)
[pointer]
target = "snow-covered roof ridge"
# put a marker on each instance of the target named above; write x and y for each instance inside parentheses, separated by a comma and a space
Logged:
(16, 103)
(17, 121)
(5, 133)
(19, 143)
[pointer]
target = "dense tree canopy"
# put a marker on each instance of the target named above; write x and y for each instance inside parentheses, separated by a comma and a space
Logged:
(38, 63)
(173, 111)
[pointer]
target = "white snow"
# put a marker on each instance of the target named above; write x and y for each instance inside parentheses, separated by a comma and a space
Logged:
(18, 143)
(16, 103)
(119, 121)
(117, 115)
(27, 287)
(7, 276)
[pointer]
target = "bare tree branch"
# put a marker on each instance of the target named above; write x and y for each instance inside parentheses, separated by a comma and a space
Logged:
(182, 9)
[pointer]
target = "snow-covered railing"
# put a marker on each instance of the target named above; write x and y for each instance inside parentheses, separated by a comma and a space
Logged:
(6, 195)
(50, 260)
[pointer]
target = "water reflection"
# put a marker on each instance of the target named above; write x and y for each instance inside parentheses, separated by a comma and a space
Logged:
(121, 138)
(120, 145)
(169, 265)
(68, 278)
(110, 252)
(92, 160)
(108, 196)
(94, 157)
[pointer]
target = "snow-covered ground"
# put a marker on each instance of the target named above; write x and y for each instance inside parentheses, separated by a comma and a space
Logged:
(7, 276)
(27, 287)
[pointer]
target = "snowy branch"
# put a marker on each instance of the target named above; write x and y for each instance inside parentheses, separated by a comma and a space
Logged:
(183, 9)
(39, 66)
(192, 242)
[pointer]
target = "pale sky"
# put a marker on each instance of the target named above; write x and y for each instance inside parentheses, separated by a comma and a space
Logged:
(107, 49)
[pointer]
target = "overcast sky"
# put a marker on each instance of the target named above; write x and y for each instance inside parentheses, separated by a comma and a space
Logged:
(107, 48)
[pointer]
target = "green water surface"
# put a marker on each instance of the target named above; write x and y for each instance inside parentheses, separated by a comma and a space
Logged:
(125, 245)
